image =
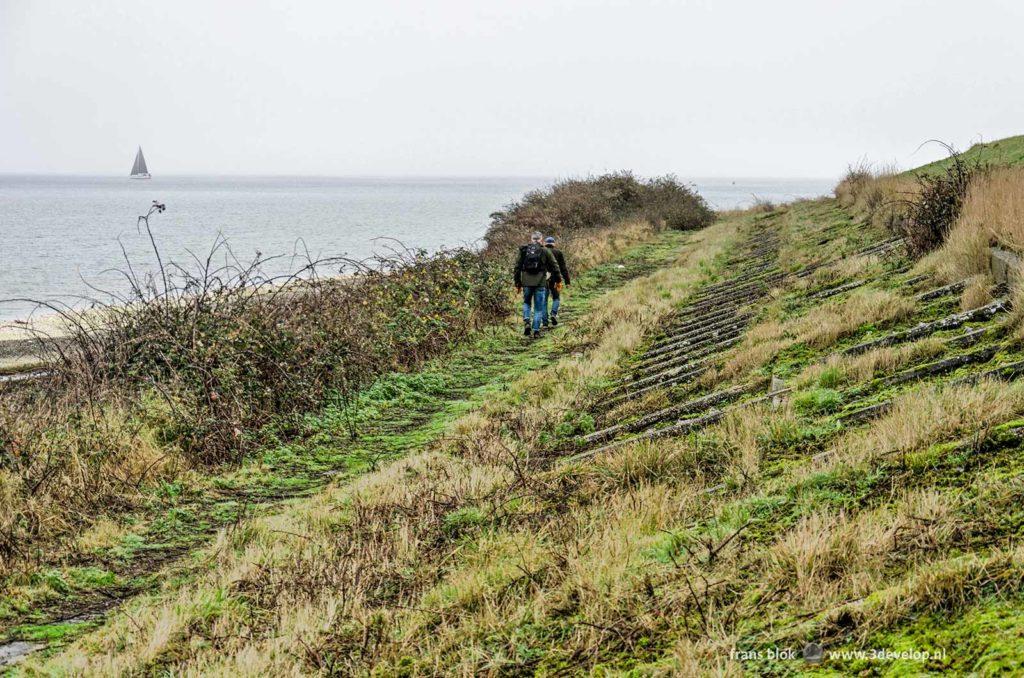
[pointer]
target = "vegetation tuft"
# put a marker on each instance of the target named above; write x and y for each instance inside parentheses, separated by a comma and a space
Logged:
(574, 206)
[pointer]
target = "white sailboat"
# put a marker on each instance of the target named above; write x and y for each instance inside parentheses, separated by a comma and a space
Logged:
(139, 170)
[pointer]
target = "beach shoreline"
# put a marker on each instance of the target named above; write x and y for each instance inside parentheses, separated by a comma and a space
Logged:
(22, 342)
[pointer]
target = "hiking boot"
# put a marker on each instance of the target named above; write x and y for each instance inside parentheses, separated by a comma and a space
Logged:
(554, 320)
(526, 329)
(536, 334)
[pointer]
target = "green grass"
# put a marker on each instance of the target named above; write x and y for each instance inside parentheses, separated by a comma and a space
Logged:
(818, 401)
(59, 632)
(1008, 151)
(985, 639)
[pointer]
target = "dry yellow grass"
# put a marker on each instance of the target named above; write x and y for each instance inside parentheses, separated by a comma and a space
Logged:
(592, 248)
(993, 213)
(103, 533)
(922, 417)
(866, 366)
(930, 414)
(977, 293)
(822, 560)
(743, 431)
(946, 585)
(649, 402)
(131, 455)
(877, 196)
(854, 267)
(830, 322)
(820, 327)
(831, 557)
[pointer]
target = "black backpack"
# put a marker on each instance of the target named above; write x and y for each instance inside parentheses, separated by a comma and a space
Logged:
(533, 255)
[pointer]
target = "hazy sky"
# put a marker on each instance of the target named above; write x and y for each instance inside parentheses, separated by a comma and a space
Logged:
(530, 87)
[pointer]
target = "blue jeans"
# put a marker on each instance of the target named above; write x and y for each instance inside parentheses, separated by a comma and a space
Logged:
(556, 300)
(537, 298)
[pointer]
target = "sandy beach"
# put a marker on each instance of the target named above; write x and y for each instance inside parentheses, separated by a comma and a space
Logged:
(20, 341)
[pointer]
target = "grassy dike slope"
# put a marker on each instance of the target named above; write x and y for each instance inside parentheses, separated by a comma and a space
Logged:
(1002, 152)
(625, 499)
(403, 415)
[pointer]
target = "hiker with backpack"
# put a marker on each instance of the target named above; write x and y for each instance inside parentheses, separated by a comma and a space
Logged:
(533, 268)
(554, 291)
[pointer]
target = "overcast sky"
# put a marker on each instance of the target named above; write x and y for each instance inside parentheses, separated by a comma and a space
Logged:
(525, 87)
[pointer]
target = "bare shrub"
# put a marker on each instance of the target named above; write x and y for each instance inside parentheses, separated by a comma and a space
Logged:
(937, 206)
(856, 179)
(229, 349)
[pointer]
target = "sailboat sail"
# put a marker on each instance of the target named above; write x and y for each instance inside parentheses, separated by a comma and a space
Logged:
(139, 168)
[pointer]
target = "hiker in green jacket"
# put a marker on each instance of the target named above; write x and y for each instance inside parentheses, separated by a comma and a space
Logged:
(534, 267)
(554, 291)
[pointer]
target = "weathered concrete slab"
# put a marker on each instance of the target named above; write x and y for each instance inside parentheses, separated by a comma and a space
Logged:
(839, 289)
(950, 322)
(865, 413)
(777, 389)
(699, 326)
(621, 395)
(685, 345)
(689, 407)
(1005, 266)
(16, 651)
(699, 335)
(675, 429)
(945, 290)
(700, 353)
(1006, 372)
(943, 366)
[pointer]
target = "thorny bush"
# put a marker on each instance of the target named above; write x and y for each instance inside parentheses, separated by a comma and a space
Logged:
(229, 350)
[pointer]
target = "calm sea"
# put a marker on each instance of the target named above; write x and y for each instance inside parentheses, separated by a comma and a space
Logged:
(61, 238)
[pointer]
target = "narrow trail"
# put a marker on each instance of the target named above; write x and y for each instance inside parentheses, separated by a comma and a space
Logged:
(413, 419)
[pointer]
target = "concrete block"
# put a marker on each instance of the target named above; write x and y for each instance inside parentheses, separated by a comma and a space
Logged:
(777, 385)
(1005, 266)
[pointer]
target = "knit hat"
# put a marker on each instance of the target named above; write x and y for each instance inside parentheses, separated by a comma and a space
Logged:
(550, 240)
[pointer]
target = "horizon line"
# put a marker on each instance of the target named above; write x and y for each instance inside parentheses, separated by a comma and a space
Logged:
(557, 177)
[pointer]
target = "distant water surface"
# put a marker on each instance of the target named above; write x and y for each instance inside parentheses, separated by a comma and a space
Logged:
(61, 236)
